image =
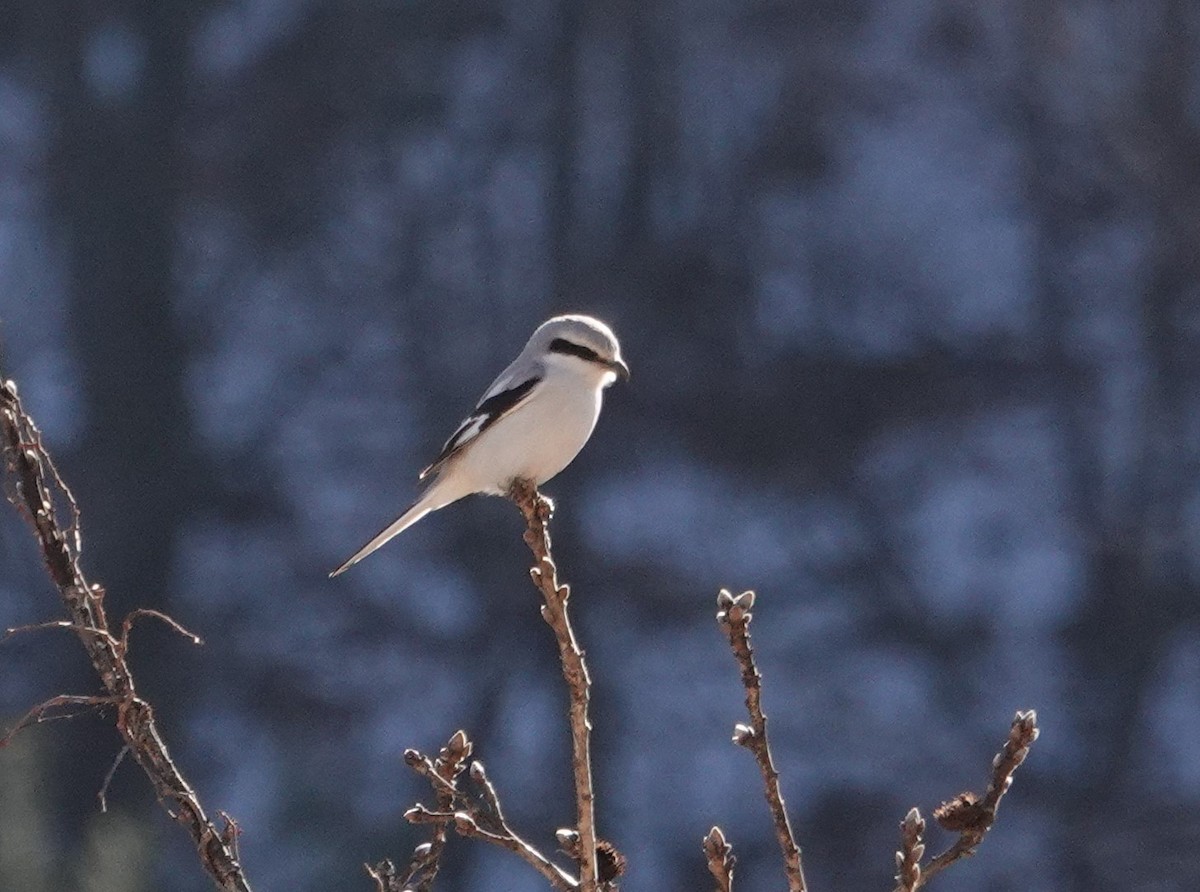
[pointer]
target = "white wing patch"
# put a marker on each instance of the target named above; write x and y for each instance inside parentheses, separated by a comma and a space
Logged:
(467, 431)
(494, 406)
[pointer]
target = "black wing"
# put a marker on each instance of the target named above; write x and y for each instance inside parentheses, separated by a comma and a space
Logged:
(487, 413)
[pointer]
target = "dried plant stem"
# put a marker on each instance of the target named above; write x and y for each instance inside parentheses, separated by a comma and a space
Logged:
(734, 617)
(34, 486)
(537, 511)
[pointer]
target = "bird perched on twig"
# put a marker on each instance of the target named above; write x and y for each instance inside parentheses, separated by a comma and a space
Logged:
(529, 425)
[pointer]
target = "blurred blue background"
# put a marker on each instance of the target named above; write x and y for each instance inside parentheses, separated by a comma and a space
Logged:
(911, 294)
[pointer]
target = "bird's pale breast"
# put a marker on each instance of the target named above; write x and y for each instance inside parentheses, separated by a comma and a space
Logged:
(537, 440)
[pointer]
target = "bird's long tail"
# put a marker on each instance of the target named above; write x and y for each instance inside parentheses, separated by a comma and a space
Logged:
(431, 500)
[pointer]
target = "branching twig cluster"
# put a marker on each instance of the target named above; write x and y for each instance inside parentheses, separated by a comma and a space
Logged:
(473, 811)
(426, 858)
(967, 814)
(37, 490)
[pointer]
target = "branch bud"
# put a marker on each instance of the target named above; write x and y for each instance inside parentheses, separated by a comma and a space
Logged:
(745, 600)
(464, 823)
(913, 823)
(568, 841)
(715, 841)
(743, 735)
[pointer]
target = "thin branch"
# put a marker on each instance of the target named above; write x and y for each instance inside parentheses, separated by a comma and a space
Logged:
(537, 511)
(468, 825)
(52, 624)
(231, 833)
(40, 714)
(425, 861)
(477, 814)
(448, 766)
(719, 855)
(734, 617)
(489, 800)
(127, 626)
(912, 850)
(384, 875)
(971, 816)
(34, 485)
(108, 778)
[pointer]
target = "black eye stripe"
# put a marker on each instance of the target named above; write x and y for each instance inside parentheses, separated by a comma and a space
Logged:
(562, 345)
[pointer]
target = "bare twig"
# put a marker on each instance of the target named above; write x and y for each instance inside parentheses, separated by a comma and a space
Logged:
(489, 808)
(734, 617)
(425, 862)
(477, 814)
(52, 624)
(719, 855)
(971, 816)
(34, 485)
(44, 712)
(468, 825)
(108, 778)
(384, 875)
(230, 833)
(537, 511)
(912, 850)
(448, 766)
(127, 626)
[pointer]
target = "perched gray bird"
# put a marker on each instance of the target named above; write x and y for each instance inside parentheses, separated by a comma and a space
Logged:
(529, 424)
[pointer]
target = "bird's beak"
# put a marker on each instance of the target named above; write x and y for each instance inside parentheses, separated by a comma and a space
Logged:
(619, 367)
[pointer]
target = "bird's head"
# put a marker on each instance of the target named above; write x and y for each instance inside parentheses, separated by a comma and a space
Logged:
(581, 339)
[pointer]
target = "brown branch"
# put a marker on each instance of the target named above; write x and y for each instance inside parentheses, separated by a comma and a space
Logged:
(127, 626)
(52, 624)
(971, 816)
(719, 855)
(477, 814)
(537, 511)
(912, 850)
(425, 862)
(41, 713)
(733, 614)
(34, 485)
(468, 825)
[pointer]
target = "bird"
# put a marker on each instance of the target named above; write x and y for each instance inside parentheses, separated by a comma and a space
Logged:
(528, 425)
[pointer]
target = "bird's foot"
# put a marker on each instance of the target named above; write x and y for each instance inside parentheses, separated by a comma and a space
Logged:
(529, 500)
